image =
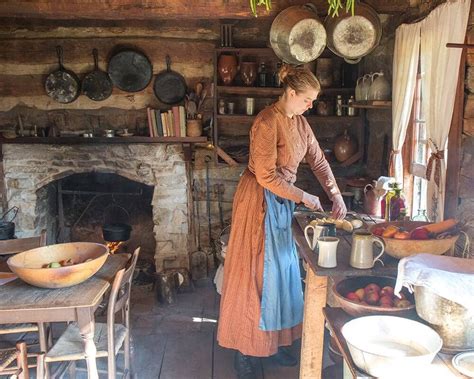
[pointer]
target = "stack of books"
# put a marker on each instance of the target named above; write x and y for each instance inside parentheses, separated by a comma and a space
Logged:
(167, 123)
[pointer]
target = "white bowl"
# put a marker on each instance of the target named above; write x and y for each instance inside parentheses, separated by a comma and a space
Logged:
(391, 347)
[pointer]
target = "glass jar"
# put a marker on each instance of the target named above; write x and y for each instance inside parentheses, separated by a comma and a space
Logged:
(262, 75)
(421, 216)
(339, 105)
(221, 107)
(397, 203)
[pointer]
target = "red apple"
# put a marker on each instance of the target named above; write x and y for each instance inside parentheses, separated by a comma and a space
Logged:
(352, 296)
(386, 301)
(360, 293)
(372, 287)
(372, 297)
(387, 290)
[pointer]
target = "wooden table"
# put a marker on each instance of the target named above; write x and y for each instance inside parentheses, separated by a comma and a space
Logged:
(440, 368)
(21, 303)
(316, 290)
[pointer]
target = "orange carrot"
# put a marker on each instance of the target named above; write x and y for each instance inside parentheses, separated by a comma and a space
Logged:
(442, 226)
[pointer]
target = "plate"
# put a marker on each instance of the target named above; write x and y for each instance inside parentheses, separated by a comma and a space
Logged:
(464, 363)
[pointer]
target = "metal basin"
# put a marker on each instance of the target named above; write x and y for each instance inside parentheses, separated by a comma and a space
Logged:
(453, 322)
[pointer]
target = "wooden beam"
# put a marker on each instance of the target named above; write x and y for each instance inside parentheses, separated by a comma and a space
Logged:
(454, 146)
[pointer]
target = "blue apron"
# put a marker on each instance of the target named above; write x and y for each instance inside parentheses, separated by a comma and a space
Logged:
(282, 293)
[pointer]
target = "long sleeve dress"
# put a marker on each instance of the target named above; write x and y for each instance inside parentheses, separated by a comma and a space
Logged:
(277, 146)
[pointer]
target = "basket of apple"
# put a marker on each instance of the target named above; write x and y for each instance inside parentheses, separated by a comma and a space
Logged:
(405, 238)
(373, 295)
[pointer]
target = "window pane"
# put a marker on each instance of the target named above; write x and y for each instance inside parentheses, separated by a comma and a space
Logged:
(420, 147)
(419, 195)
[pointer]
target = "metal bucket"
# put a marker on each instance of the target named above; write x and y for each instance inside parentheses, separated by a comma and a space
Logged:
(296, 35)
(453, 322)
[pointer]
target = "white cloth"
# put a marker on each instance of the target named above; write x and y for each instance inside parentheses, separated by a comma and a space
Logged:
(440, 71)
(448, 277)
(405, 67)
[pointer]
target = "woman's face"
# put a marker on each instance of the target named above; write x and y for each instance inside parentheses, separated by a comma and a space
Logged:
(298, 103)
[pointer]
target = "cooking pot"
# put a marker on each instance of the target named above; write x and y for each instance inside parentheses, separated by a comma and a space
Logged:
(7, 228)
(116, 232)
(353, 37)
(296, 35)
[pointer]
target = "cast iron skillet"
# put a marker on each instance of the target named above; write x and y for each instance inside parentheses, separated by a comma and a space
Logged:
(169, 86)
(130, 70)
(97, 85)
(62, 85)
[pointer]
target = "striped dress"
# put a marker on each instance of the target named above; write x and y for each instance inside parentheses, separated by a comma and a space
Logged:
(277, 146)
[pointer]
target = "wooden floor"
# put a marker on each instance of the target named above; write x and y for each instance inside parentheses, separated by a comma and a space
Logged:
(179, 341)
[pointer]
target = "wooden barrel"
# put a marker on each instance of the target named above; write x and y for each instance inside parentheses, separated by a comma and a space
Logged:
(296, 35)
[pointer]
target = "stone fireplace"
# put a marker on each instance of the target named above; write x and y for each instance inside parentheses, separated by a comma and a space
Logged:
(32, 171)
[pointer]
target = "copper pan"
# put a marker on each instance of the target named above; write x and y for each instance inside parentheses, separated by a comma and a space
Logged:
(353, 37)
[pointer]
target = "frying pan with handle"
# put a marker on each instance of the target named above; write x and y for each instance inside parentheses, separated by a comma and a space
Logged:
(62, 85)
(130, 70)
(97, 85)
(169, 86)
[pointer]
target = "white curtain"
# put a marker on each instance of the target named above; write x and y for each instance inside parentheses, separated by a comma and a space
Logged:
(440, 69)
(405, 64)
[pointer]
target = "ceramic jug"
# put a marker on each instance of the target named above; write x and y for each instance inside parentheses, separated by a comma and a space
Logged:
(248, 72)
(227, 68)
(327, 254)
(362, 87)
(362, 250)
(345, 146)
(379, 88)
(318, 230)
(372, 198)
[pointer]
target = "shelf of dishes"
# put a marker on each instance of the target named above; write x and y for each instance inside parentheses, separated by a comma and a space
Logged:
(100, 140)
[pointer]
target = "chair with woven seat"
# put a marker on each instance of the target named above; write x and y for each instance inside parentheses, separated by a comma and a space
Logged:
(20, 369)
(109, 338)
(14, 246)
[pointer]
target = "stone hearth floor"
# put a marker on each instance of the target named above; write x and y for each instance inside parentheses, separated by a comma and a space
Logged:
(178, 341)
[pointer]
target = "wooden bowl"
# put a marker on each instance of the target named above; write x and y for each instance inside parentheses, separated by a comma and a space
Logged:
(29, 264)
(403, 248)
(342, 288)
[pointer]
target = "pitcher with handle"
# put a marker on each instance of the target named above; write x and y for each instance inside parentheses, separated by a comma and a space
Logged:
(362, 251)
(318, 230)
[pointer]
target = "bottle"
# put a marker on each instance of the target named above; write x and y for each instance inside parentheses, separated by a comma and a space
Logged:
(221, 108)
(276, 77)
(384, 203)
(397, 202)
(262, 75)
(351, 111)
(339, 105)
(421, 216)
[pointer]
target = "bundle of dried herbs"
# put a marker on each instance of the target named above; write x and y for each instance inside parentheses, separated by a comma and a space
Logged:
(333, 6)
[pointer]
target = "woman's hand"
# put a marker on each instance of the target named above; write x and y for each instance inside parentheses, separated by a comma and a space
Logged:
(338, 207)
(312, 202)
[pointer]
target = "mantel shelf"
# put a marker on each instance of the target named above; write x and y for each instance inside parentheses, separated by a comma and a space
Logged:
(273, 91)
(374, 104)
(100, 140)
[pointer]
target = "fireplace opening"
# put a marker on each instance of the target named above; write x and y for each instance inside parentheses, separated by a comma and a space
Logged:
(76, 208)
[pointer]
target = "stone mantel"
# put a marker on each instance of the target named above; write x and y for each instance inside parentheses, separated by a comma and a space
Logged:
(28, 169)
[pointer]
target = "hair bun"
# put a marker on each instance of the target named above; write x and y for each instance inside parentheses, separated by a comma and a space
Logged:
(284, 71)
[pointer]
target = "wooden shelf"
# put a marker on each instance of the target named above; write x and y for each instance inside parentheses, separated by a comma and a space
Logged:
(375, 104)
(100, 140)
(241, 118)
(272, 91)
(246, 50)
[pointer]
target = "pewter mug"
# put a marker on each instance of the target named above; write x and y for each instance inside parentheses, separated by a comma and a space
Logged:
(362, 252)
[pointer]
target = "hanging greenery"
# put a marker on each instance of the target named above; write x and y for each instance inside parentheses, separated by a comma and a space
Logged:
(333, 6)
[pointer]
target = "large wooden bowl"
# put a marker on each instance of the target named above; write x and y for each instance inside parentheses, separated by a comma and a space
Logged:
(404, 248)
(29, 264)
(342, 288)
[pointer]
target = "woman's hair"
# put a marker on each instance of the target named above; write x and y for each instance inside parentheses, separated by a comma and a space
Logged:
(298, 78)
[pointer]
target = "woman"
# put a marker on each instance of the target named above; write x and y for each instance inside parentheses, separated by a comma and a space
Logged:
(262, 301)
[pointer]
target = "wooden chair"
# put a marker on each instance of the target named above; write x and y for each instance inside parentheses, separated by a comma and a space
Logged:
(19, 354)
(109, 338)
(14, 246)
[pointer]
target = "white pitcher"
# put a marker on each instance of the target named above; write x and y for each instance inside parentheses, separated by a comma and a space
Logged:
(362, 253)
(318, 230)
(327, 254)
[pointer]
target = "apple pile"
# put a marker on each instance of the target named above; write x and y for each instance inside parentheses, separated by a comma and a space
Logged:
(372, 294)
